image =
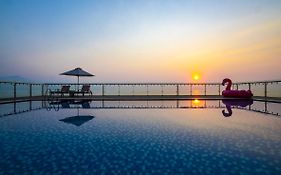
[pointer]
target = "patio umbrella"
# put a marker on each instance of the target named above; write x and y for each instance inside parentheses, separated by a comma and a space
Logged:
(78, 72)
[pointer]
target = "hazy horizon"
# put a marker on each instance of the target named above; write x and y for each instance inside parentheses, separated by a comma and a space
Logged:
(141, 41)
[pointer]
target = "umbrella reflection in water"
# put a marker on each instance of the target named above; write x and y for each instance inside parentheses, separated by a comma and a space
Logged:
(79, 120)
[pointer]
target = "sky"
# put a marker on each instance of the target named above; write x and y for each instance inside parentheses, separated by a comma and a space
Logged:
(141, 41)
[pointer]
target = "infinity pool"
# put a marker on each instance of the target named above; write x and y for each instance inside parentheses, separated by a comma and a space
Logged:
(157, 137)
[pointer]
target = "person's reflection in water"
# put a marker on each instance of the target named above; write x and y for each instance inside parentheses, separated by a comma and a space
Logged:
(235, 103)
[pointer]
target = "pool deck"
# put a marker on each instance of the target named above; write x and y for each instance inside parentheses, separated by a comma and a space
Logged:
(134, 98)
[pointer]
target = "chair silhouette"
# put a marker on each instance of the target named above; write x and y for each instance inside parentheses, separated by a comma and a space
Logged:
(86, 89)
(62, 91)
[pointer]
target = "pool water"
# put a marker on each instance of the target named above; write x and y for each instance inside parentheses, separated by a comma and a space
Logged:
(139, 140)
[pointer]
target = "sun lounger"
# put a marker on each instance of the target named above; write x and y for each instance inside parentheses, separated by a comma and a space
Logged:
(64, 90)
(85, 90)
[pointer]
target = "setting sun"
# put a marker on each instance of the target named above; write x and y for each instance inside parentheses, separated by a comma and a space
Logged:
(196, 77)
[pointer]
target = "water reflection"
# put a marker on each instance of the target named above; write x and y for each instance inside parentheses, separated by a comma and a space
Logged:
(235, 103)
(77, 120)
(197, 103)
(273, 109)
(56, 105)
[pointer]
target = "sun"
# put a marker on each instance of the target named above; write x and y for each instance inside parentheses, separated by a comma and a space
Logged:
(196, 77)
(196, 101)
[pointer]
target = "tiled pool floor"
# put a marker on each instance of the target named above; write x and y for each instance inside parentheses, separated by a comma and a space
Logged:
(140, 141)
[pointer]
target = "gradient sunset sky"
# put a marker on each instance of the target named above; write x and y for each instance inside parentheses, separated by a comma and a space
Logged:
(141, 41)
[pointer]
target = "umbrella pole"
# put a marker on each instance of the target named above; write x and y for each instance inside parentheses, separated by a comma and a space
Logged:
(78, 84)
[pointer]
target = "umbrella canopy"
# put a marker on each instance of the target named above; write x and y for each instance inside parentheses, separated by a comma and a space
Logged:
(78, 72)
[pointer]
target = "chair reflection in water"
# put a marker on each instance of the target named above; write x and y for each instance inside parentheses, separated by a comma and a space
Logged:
(56, 105)
(235, 103)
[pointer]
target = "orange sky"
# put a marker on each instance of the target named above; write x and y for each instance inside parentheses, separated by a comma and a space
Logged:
(160, 41)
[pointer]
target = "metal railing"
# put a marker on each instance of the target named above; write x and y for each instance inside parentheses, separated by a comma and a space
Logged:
(120, 89)
(15, 90)
(261, 88)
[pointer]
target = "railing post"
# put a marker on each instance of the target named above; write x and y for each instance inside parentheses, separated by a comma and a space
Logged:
(15, 91)
(118, 90)
(219, 89)
(15, 107)
(205, 89)
(30, 91)
(161, 90)
(147, 90)
(30, 105)
(133, 90)
(265, 89)
(102, 90)
(42, 90)
(191, 89)
(236, 86)
(178, 90)
(249, 84)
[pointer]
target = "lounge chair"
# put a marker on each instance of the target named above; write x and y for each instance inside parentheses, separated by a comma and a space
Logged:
(85, 90)
(62, 91)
